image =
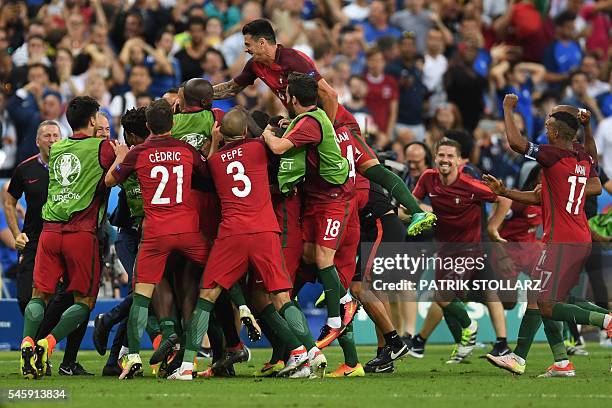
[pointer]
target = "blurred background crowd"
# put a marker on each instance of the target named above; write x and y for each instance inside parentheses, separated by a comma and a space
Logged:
(409, 70)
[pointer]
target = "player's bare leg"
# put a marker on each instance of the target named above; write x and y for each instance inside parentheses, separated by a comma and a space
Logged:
(433, 318)
(33, 316)
(392, 347)
(498, 318)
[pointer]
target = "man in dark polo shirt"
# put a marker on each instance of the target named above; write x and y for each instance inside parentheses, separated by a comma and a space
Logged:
(31, 177)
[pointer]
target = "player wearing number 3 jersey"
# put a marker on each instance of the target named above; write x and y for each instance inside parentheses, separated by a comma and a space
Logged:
(164, 167)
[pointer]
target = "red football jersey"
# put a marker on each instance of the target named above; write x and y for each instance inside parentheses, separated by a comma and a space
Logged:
(307, 132)
(276, 75)
(240, 173)
(564, 178)
(458, 205)
(381, 92)
(164, 167)
(522, 223)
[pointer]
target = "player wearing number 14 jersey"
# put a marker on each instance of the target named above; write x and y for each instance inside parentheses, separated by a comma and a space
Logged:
(164, 167)
(568, 176)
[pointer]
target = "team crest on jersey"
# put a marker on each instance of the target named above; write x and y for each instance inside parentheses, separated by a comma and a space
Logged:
(194, 139)
(67, 169)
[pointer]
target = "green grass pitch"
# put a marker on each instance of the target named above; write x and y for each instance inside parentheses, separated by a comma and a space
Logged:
(416, 383)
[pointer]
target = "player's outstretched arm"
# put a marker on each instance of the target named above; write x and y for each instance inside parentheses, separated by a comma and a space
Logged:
(516, 141)
(525, 197)
(226, 89)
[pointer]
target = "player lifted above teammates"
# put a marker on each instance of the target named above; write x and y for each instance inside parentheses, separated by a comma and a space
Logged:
(272, 63)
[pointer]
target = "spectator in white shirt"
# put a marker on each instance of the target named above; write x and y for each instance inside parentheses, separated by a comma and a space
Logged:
(434, 67)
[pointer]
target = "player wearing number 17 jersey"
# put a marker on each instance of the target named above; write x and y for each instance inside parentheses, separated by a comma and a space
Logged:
(164, 167)
(568, 176)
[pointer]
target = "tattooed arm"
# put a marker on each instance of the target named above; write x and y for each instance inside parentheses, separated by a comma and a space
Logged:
(227, 89)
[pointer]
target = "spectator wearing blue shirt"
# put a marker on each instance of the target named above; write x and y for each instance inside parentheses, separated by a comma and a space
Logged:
(580, 98)
(497, 158)
(165, 69)
(24, 109)
(563, 54)
(407, 71)
(352, 48)
(519, 79)
(377, 25)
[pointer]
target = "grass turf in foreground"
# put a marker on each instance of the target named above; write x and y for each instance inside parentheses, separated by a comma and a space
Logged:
(427, 382)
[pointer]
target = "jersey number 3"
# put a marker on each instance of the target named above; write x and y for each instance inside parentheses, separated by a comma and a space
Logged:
(236, 169)
(165, 176)
(572, 194)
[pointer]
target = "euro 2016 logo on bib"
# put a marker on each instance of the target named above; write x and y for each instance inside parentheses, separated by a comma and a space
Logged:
(194, 139)
(67, 169)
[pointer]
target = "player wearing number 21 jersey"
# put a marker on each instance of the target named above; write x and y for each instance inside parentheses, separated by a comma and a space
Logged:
(164, 167)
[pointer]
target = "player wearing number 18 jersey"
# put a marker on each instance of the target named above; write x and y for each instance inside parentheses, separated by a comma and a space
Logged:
(164, 167)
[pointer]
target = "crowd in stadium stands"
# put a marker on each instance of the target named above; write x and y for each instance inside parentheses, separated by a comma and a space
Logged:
(407, 69)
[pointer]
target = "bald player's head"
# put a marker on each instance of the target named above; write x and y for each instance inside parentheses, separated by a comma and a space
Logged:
(234, 125)
(197, 92)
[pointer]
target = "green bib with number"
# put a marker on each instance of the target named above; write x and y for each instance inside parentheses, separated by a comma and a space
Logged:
(333, 168)
(74, 175)
(193, 127)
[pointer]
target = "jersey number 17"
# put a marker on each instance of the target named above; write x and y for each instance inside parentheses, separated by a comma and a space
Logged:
(574, 180)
